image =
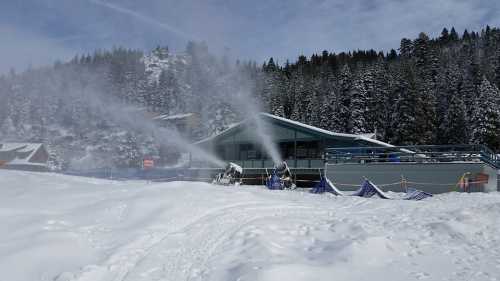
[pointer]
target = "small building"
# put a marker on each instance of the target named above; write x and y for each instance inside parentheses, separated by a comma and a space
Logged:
(24, 156)
(302, 146)
(185, 123)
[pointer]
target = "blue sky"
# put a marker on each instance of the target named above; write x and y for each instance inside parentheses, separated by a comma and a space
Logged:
(37, 32)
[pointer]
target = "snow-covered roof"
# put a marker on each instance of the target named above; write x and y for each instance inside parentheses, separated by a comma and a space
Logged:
(319, 130)
(363, 137)
(10, 146)
(18, 161)
(368, 135)
(24, 152)
(20, 147)
(166, 117)
(374, 141)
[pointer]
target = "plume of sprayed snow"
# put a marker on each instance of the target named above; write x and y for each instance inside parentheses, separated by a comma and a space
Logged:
(251, 108)
(239, 89)
(235, 88)
(134, 119)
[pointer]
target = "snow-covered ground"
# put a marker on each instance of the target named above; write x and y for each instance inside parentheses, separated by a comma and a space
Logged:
(55, 227)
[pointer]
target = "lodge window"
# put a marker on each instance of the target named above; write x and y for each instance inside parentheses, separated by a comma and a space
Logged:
(287, 149)
(308, 149)
(249, 152)
(305, 149)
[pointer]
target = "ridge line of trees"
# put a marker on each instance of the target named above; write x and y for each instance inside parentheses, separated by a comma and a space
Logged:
(433, 91)
(441, 90)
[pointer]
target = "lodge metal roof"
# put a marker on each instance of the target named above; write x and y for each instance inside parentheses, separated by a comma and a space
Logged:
(297, 125)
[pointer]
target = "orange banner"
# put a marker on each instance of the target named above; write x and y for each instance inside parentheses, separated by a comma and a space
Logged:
(482, 178)
(148, 163)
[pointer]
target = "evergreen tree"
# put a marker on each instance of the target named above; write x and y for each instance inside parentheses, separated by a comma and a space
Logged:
(448, 94)
(8, 129)
(466, 36)
(453, 35)
(454, 127)
(404, 121)
(406, 48)
(427, 69)
(485, 120)
(377, 83)
(445, 36)
(497, 72)
(344, 104)
(328, 100)
(357, 123)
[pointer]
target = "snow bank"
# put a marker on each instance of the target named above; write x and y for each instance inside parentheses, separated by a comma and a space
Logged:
(55, 227)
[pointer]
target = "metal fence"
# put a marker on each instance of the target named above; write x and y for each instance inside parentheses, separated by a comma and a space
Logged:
(414, 154)
(153, 174)
(292, 163)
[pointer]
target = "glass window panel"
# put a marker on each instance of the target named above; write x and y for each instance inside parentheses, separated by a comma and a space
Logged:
(252, 154)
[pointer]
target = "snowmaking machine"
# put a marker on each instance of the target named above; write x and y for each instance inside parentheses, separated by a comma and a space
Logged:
(231, 176)
(281, 177)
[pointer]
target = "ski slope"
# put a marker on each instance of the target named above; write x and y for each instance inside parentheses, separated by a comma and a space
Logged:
(56, 227)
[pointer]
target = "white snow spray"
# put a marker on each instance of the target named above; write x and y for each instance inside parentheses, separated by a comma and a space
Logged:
(135, 119)
(251, 109)
(266, 139)
(129, 118)
(236, 89)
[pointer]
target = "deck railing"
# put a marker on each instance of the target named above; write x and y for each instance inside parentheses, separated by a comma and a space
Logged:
(415, 154)
(313, 163)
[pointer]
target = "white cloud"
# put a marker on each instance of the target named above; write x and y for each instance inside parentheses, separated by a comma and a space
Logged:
(146, 19)
(251, 29)
(359, 24)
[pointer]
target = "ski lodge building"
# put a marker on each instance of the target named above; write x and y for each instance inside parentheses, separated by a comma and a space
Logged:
(300, 145)
(24, 156)
(350, 158)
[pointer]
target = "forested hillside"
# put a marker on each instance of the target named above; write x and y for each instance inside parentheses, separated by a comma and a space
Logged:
(77, 107)
(430, 91)
(433, 91)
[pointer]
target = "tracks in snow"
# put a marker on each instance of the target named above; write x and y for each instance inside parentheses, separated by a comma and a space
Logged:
(181, 250)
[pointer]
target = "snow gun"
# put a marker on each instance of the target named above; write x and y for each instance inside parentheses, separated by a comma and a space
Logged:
(231, 176)
(281, 177)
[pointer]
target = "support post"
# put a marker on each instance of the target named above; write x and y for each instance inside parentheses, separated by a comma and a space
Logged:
(295, 148)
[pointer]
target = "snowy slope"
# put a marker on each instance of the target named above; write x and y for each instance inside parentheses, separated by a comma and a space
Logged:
(55, 227)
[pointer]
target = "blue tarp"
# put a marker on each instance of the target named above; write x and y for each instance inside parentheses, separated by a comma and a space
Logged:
(415, 194)
(323, 186)
(367, 190)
